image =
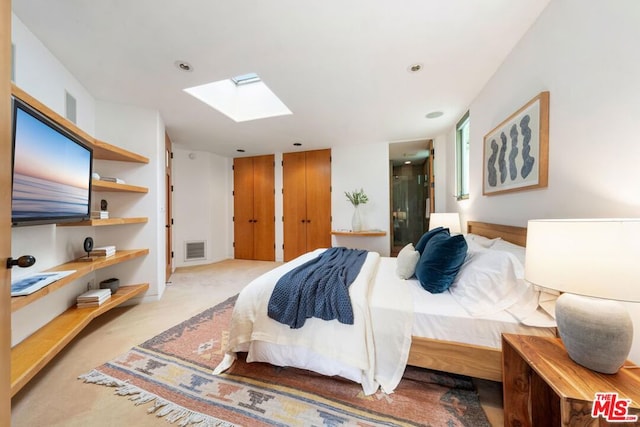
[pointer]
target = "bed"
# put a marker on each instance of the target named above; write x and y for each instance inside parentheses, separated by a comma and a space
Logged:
(385, 335)
(462, 358)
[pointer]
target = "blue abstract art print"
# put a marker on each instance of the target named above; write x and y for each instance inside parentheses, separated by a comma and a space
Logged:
(516, 152)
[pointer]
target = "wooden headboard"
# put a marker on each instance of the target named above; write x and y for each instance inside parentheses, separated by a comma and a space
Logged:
(510, 233)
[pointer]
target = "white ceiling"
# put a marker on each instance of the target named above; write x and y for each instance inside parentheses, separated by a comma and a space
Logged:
(340, 66)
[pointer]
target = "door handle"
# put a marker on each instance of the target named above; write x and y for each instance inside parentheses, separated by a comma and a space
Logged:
(24, 261)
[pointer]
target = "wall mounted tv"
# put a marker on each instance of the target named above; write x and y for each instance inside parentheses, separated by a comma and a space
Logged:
(51, 170)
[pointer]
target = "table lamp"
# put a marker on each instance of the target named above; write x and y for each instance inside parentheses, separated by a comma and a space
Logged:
(446, 220)
(595, 263)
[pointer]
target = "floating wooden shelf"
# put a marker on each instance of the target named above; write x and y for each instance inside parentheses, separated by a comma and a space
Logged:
(103, 222)
(32, 354)
(371, 233)
(81, 268)
(101, 150)
(105, 151)
(99, 185)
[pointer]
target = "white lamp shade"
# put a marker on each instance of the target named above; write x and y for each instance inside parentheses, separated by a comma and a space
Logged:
(446, 220)
(591, 257)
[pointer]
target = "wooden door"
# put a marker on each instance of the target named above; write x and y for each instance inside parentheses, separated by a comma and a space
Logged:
(264, 228)
(5, 212)
(168, 156)
(243, 208)
(294, 204)
(306, 201)
(318, 199)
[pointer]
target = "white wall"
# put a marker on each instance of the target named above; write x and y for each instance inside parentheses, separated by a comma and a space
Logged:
(201, 204)
(444, 186)
(139, 130)
(45, 78)
(203, 201)
(583, 54)
(361, 166)
(41, 75)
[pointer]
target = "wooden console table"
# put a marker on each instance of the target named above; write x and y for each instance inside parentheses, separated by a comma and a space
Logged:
(542, 386)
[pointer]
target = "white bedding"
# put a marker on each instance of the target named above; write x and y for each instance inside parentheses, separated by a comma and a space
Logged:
(327, 347)
(440, 316)
(373, 351)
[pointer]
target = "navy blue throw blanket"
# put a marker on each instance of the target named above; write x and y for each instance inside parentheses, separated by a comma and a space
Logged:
(318, 288)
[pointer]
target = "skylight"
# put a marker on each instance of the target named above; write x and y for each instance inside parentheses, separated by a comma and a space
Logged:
(241, 98)
(245, 79)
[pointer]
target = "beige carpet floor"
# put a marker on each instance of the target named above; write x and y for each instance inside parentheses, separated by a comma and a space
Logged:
(56, 398)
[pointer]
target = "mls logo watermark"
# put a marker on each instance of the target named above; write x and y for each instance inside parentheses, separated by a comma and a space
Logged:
(612, 408)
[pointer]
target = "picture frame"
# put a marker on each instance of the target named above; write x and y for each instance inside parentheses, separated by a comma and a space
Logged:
(516, 152)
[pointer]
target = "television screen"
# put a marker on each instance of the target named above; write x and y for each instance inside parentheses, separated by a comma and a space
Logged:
(51, 170)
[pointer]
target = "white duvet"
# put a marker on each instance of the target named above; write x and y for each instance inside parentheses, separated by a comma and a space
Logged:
(326, 347)
(387, 312)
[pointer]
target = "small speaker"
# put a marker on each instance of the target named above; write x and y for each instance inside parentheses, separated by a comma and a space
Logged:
(112, 284)
(88, 245)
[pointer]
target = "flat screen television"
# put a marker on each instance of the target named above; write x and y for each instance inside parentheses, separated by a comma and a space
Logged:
(51, 170)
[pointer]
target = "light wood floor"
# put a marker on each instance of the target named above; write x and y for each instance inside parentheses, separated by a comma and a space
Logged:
(56, 398)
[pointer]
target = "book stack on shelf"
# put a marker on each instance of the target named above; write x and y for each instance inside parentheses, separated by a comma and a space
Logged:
(112, 179)
(103, 251)
(93, 298)
(99, 214)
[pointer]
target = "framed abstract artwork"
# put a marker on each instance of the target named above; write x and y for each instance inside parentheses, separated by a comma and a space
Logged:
(516, 152)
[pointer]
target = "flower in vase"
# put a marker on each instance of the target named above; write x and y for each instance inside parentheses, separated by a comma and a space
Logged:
(356, 197)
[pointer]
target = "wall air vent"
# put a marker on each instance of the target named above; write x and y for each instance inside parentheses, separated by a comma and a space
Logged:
(194, 250)
(70, 107)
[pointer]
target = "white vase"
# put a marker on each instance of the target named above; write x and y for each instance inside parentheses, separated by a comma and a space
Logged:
(356, 220)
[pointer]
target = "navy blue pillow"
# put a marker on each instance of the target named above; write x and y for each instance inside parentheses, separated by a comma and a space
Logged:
(440, 262)
(427, 236)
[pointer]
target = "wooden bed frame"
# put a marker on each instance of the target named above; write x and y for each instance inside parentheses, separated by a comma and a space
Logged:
(458, 358)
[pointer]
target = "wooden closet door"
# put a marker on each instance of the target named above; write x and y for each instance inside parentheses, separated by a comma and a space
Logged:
(243, 207)
(294, 204)
(318, 199)
(264, 229)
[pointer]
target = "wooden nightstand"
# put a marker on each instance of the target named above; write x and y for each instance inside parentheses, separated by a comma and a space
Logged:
(542, 386)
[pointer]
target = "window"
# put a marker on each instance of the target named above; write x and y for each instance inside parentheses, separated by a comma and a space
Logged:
(462, 157)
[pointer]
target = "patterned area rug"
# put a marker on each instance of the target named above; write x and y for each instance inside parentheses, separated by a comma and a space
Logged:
(173, 370)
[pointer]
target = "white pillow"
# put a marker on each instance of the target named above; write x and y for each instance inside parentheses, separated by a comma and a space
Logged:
(503, 245)
(493, 281)
(407, 260)
(473, 248)
(481, 240)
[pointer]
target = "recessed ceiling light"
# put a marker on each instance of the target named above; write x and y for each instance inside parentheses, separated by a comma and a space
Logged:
(183, 66)
(434, 114)
(297, 144)
(240, 150)
(408, 162)
(414, 68)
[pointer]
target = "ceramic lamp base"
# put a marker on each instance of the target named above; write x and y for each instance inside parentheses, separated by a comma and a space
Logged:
(597, 333)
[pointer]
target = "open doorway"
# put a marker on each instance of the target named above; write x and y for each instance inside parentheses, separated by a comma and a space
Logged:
(411, 186)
